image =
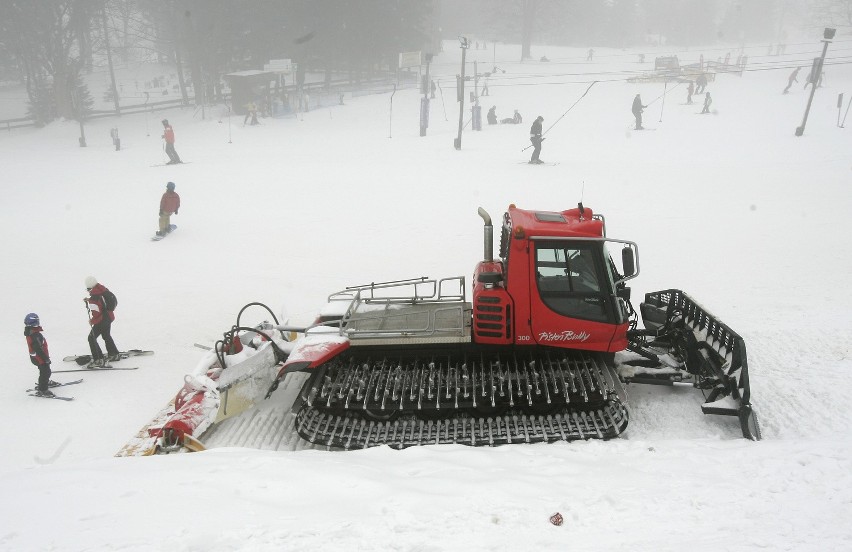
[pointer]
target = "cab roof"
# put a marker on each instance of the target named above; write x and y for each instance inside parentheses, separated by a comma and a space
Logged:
(570, 223)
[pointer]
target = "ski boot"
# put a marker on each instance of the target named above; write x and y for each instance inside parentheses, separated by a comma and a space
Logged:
(46, 393)
(96, 363)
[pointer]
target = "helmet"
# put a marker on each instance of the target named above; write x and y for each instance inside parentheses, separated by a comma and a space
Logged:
(91, 282)
(31, 320)
(170, 185)
(165, 121)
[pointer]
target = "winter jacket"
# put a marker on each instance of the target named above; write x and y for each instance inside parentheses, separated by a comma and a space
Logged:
(97, 307)
(535, 130)
(37, 345)
(170, 202)
(169, 134)
(637, 106)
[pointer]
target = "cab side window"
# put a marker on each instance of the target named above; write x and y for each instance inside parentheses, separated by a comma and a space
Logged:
(568, 281)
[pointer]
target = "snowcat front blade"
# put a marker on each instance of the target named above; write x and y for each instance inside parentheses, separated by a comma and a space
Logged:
(710, 350)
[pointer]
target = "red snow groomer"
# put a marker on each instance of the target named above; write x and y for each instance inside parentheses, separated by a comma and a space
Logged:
(529, 359)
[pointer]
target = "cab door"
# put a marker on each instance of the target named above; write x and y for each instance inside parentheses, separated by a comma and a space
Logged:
(571, 303)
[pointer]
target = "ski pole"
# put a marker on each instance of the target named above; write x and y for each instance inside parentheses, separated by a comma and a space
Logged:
(847, 113)
(563, 115)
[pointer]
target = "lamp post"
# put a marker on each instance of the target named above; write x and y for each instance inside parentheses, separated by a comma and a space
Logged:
(816, 71)
(465, 44)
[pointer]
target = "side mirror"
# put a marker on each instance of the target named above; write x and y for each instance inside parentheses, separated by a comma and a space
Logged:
(628, 262)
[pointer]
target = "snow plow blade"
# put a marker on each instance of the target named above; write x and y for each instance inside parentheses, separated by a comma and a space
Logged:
(707, 348)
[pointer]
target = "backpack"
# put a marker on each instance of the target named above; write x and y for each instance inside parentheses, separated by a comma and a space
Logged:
(110, 300)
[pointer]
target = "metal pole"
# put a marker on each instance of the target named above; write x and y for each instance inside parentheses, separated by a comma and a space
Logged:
(817, 70)
(476, 81)
(460, 91)
(847, 113)
(390, 122)
(665, 86)
(424, 103)
(839, 107)
(443, 105)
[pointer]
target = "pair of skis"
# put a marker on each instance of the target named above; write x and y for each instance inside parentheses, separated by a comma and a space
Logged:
(32, 392)
(84, 359)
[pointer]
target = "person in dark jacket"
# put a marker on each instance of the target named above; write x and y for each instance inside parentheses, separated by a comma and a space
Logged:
(39, 354)
(492, 115)
(100, 319)
(169, 137)
(169, 203)
(637, 109)
(700, 83)
(707, 101)
(792, 78)
(536, 139)
(515, 119)
(690, 90)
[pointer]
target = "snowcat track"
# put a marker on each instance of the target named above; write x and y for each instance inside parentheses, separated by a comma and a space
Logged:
(404, 400)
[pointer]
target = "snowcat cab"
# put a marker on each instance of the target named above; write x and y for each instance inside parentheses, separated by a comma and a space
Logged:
(555, 283)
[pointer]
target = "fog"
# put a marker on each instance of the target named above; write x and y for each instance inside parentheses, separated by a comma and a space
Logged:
(52, 52)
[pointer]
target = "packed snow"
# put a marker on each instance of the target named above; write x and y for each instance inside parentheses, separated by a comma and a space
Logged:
(729, 206)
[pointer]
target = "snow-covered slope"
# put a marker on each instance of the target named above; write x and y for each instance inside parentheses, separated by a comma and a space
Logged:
(731, 207)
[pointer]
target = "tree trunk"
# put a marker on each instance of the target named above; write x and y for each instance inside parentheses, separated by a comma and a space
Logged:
(528, 21)
(194, 61)
(62, 84)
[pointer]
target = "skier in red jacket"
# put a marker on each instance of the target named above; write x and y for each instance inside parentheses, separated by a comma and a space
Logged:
(169, 137)
(39, 354)
(169, 203)
(100, 319)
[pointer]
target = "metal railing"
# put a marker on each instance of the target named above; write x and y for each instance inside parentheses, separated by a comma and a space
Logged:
(420, 307)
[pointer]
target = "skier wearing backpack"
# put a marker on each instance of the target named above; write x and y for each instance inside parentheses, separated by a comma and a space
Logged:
(39, 354)
(100, 303)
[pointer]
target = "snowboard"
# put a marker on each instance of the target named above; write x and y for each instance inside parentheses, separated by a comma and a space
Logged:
(63, 384)
(172, 228)
(85, 359)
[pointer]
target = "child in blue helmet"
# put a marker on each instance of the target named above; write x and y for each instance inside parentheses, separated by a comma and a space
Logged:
(39, 354)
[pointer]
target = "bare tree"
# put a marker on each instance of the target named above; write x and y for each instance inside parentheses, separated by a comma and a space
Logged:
(50, 39)
(831, 12)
